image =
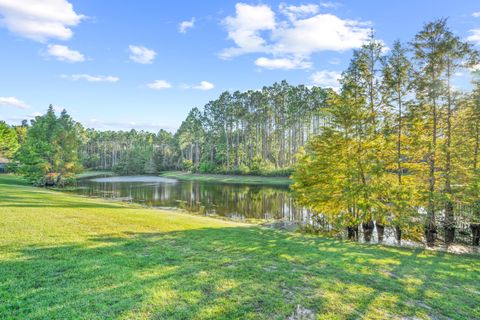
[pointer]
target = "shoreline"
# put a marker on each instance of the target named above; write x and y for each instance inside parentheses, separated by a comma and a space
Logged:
(223, 178)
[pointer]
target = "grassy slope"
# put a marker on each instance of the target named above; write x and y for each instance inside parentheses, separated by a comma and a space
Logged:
(68, 257)
(227, 178)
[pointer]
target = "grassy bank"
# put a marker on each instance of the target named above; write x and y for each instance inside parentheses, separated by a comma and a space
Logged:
(67, 257)
(92, 174)
(281, 181)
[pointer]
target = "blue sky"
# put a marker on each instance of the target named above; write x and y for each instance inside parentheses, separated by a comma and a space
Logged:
(144, 64)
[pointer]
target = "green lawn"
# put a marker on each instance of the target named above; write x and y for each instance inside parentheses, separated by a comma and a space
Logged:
(67, 257)
(227, 178)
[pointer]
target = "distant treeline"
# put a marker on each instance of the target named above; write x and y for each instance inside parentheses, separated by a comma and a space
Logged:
(252, 132)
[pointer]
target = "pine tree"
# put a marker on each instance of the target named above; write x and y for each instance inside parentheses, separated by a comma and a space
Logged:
(8, 141)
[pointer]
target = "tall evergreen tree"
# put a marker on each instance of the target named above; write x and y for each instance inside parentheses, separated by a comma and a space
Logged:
(49, 154)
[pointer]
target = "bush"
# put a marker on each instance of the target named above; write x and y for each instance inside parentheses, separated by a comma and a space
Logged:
(188, 165)
(207, 167)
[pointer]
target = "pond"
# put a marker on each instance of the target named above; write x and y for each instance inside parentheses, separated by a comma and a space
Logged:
(233, 201)
(244, 202)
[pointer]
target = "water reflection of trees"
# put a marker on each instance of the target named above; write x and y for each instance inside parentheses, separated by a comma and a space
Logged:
(235, 201)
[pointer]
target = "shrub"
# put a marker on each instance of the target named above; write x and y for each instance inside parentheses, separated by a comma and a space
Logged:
(206, 167)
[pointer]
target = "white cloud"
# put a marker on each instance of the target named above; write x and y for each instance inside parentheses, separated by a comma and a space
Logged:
(204, 85)
(475, 36)
(13, 102)
(90, 78)
(295, 12)
(244, 28)
(283, 63)
(159, 85)
(63, 53)
(141, 54)
(474, 68)
(305, 31)
(323, 32)
(39, 20)
(326, 79)
(34, 115)
(476, 14)
(128, 125)
(185, 25)
(330, 4)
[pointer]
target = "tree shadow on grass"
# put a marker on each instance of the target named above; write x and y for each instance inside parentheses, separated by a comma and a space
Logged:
(51, 200)
(239, 272)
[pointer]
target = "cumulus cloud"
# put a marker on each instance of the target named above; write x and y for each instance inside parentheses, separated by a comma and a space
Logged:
(476, 14)
(141, 54)
(475, 36)
(13, 102)
(185, 25)
(63, 53)
(294, 35)
(90, 78)
(204, 85)
(283, 63)
(326, 79)
(39, 20)
(323, 32)
(244, 28)
(159, 85)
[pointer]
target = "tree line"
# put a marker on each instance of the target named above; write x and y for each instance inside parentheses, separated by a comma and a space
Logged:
(251, 132)
(402, 148)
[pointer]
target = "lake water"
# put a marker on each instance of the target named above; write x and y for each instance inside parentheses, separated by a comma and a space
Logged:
(234, 201)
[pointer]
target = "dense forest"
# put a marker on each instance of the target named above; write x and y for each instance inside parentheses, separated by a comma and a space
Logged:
(252, 132)
(397, 145)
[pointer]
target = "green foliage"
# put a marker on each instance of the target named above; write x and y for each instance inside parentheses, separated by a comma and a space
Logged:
(206, 167)
(132, 152)
(401, 140)
(188, 165)
(50, 152)
(8, 141)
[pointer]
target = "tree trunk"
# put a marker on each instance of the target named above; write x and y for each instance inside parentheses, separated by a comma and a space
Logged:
(227, 149)
(449, 222)
(352, 233)
(399, 139)
(398, 234)
(380, 231)
(237, 142)
(368, 230)
(430, 225)
(475, 233)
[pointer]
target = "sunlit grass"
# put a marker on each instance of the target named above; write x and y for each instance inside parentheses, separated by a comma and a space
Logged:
(68, 257)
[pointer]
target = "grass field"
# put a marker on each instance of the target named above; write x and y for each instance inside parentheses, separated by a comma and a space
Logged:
(227, 178)
(67, 257)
